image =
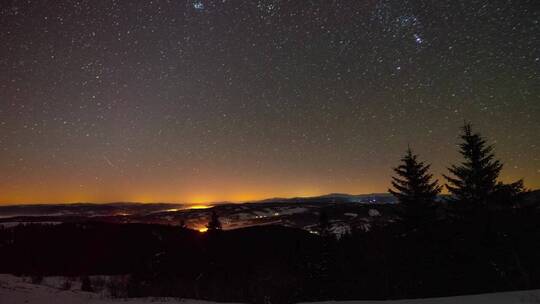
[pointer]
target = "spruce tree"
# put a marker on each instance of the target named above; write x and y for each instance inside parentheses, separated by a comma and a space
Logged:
(475, 179)
(508, 195)
(324, 224)
(182, 224)
(414, 187)
(214, 224)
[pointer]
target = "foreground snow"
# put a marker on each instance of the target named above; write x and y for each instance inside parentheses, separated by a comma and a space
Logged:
(515, 297)
(15, 290)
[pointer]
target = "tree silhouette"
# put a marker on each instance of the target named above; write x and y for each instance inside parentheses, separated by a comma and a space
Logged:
(414, 187)
(508, 195)
(324, 224)
(214, 224)
(475, 179)
(182, 224)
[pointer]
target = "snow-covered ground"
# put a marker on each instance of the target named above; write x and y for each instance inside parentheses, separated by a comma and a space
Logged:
(515, 297)
(15, 290)
(13, 224)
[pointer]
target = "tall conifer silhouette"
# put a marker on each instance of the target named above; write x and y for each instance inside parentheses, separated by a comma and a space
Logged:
(475, 179)
(414, 187)
(214, 224)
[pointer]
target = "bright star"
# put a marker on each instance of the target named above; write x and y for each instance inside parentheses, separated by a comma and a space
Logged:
(418, 39)
(198, 5)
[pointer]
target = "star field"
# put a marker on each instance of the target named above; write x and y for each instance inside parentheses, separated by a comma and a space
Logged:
(237, 100)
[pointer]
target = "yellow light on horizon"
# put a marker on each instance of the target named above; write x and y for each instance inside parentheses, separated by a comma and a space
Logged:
(172, 210)
(203, 229)
(200, 206)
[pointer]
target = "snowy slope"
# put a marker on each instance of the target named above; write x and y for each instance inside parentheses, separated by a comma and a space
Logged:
(516, 297)
(15, 290)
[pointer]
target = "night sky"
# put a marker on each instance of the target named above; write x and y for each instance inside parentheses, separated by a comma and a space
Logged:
(236, 100)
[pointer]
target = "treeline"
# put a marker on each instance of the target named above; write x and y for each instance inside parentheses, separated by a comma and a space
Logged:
(284, 265)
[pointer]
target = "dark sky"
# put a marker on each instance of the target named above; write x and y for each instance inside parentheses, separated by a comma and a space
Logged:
(236, 100)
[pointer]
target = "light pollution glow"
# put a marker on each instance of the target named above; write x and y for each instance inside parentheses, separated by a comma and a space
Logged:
(53, 192)
(102, 184)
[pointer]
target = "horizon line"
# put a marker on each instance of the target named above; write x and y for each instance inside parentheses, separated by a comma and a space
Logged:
(217, 202)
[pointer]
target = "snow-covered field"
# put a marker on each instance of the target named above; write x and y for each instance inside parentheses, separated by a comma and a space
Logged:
(13, 224)
(516, 297)
(15, 290)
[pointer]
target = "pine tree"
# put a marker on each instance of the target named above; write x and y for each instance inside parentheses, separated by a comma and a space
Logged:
(324, 224)
(508, 195)
(475, 179)
(414, 187)
(182, 224)
(214, 224)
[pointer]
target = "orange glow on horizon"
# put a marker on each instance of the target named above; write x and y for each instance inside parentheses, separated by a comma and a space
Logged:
(196, 196)
(200, 200)
(200, 206)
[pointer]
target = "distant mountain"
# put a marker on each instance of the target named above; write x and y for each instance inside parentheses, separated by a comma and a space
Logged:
(373, 198)
(85, 209)
(346, 212)
(300, 212)
(133, 208)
